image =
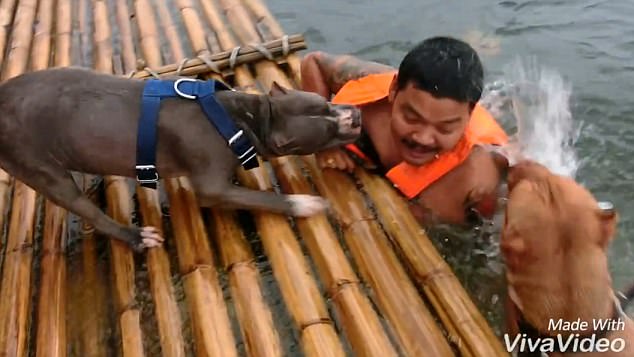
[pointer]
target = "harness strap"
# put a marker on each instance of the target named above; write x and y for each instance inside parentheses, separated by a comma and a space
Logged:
(204, 93)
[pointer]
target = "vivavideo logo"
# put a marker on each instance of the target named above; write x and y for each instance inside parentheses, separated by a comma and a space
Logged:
(570, 342)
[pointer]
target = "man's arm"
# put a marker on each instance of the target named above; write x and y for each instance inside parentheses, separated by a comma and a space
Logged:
(325, 73)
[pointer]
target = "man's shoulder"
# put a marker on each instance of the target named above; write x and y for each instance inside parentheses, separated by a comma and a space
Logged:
(338, 69)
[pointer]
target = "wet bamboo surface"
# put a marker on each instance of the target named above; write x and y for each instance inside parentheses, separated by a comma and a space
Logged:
(362, 280)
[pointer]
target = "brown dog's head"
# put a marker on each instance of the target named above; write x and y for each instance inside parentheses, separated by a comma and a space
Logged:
(303, 123)
(552, 221)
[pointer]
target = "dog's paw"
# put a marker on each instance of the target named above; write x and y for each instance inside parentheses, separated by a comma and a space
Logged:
(149, 237)
(306, 205)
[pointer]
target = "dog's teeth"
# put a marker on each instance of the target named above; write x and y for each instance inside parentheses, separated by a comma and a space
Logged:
(306, 205)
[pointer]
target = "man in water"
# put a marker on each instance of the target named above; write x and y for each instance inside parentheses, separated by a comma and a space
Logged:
(423, 128)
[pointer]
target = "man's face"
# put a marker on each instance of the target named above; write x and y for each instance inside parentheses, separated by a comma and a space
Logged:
(424, 126)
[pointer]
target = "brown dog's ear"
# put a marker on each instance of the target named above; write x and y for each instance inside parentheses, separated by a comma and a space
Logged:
(513, 248)
(277, 89)
(608, 217)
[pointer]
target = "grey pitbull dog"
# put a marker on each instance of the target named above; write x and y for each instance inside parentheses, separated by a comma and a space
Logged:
(57, 121)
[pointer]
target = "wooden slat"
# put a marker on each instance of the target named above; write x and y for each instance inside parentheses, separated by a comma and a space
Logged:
(119, 208)
(15, 287)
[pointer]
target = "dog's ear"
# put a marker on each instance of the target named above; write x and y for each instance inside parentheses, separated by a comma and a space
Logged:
(513, 248)
(608, 217)
(277, 89)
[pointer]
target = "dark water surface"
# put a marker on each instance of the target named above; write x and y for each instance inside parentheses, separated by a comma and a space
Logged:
(590, 43)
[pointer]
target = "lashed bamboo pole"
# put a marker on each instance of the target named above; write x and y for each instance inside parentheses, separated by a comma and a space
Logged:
(171, 33)
(360, 322)
(166, 308)
(211, 326)
(91, 333)
(395, 294)
(148, 31)
(63, 33)
(256, 325)
(15, 288)
(6, 19)
(238, 16)
(7, 8)
(289, 266)
(262, 13)
(119, 209)
(51, 317)
(126, 42)
(222, 59)
(431, 272)
(256, 322)
(193, 27)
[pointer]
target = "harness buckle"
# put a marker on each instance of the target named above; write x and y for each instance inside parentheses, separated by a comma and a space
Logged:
(146, 174)
(179, 92)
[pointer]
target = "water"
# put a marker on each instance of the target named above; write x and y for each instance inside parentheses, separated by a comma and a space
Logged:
(533, 103)
(578, 60)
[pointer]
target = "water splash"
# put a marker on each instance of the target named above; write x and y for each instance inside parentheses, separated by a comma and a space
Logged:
(534, 102)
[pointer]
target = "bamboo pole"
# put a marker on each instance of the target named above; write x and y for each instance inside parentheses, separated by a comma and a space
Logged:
(15, 287)
(148, 32)
(256, 322)
(238, 16)
(7, 8)
(118, 197)
(210, 320)
(395, 294)
(63, 33)
(91, 333)
(6, 19)
(262, 13)
(360, 322)
(126, 38)
(171, 33)
(222, 60)
(166, 307)
(211, 326)
(431, 272)
(290, 268)
(193, 27)
(51, 320)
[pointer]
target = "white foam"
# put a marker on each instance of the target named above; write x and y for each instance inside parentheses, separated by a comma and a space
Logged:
(538, 101)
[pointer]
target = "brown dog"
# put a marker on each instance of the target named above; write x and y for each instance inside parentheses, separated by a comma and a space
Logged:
(554, 244)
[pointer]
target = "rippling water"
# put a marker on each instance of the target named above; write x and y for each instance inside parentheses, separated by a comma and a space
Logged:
(587, 45)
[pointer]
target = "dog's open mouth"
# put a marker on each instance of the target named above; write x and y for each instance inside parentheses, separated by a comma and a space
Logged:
(348, 133)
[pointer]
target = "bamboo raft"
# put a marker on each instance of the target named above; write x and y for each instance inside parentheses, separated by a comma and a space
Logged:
(364, 280)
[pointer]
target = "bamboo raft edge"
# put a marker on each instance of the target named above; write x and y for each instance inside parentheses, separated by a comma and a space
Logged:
(330, 319)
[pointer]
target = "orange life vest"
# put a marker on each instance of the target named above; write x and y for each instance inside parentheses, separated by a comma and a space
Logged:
(412, 180)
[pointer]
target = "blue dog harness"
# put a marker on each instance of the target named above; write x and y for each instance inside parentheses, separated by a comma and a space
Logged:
(201, 91)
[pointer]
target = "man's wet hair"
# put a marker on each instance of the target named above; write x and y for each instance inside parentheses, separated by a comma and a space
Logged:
(445, 67)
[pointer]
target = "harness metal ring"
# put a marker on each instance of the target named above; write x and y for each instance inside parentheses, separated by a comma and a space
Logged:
(178, 91)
